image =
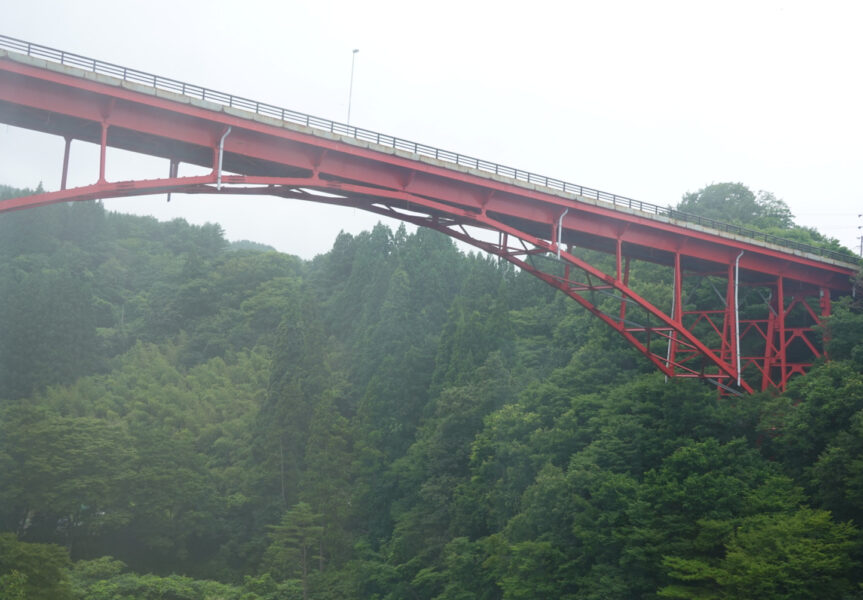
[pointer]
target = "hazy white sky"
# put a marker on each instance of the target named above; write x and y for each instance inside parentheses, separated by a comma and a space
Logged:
(644, 99)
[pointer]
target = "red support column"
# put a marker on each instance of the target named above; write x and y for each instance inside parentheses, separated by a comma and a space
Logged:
(65, 163)
(554, 228)
(676, 311)
(769, 344)
(103, 151)
(678, 290)
(566, 267)
(625, 283)
(728, 340)
(618, 274)
(824, 301)
(825, 313)
(173, 169)
(782, 333)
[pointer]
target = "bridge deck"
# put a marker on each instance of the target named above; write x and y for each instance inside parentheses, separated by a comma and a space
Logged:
(210, 100)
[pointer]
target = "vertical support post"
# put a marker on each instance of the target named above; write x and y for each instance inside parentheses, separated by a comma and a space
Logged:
(625, 283)
(618, 274)
(769, 345)
(102, 151)
(554, 230)
(737, 315)
(173, 169)
(66, 151)
(727, 347)
(824, 302)
(502, 243)
(780, 324)
(501, 246)
(677, 309)
(676, 312)
(566, 266)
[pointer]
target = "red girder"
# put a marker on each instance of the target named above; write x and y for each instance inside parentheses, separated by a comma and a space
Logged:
(266, 156)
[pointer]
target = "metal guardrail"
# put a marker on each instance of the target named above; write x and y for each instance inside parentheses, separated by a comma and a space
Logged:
(291, 116)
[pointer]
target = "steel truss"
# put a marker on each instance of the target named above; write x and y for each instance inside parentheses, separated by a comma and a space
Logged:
(685, 341)
(740, 315)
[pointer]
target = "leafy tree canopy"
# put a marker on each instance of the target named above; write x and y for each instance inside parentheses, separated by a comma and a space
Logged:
(735, 203)
(192, 420)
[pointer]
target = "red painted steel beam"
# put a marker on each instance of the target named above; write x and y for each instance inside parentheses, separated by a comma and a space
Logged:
(289, 160)
(183, 122)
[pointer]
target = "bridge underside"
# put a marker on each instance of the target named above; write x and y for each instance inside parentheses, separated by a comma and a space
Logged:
(741, 315)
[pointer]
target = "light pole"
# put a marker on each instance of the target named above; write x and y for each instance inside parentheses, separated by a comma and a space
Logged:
(860, 237)
(351, 88)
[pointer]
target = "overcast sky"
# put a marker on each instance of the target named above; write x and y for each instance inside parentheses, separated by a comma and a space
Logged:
(643, 99)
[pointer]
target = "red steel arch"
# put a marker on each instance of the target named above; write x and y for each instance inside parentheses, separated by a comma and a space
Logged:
(741, 313)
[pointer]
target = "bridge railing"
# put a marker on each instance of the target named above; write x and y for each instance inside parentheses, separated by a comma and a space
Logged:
(292, 116)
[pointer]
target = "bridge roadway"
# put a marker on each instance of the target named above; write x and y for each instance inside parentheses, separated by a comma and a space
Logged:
(256, 148)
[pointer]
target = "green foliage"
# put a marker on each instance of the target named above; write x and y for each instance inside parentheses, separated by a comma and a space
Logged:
(836, 477)
(152, 587)
(735, 203)
(13, 586)
(48, 317)
(326, 482)
(294, 543)
(64, 475)
(152, 454)
(787, 556)
(799, 426)
(392, 420)
(37, 569)
(843, 332)
(700, 482)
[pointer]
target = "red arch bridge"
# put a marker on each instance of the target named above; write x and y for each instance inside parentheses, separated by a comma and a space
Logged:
(740, 309)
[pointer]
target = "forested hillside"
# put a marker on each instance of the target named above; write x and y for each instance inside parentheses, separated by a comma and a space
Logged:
(184, 418)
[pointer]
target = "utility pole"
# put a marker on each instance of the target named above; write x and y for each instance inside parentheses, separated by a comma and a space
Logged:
(351, 88)
(860, 237)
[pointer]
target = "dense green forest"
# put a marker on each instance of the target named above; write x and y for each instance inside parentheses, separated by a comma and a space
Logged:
(183, 418)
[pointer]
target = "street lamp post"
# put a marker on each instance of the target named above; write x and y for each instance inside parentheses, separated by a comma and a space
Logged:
(351, 88)
(860, 237)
